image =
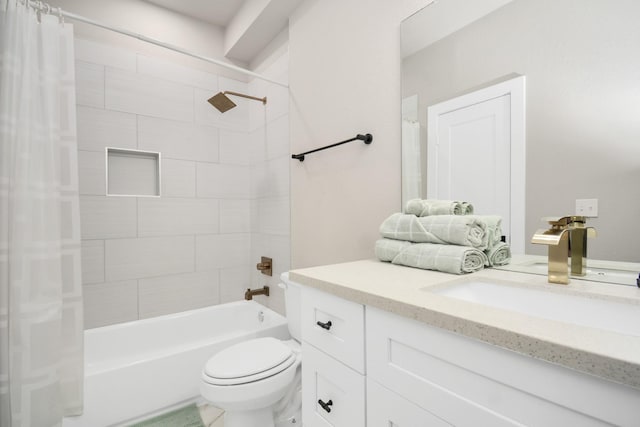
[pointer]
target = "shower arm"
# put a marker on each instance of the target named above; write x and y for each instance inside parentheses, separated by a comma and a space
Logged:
(242, 95)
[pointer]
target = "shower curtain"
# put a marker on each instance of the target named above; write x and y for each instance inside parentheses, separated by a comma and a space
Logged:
(41, 347)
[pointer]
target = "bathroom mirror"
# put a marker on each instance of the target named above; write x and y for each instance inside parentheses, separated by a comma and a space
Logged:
(582, 68)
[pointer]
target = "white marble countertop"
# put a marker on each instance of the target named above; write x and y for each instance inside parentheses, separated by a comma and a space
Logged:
(405, 291)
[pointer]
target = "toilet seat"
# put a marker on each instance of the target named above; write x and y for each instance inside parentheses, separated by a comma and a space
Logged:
(248, 361)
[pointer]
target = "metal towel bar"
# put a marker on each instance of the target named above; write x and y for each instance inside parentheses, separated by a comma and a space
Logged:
(367, 139)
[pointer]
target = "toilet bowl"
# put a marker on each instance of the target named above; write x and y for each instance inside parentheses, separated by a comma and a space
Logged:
(257, 382)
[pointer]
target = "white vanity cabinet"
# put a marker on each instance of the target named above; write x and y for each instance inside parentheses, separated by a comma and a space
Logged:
(333, 381)
(363, 366)
(465, 382)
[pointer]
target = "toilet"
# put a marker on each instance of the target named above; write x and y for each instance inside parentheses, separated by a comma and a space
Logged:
(257, 382)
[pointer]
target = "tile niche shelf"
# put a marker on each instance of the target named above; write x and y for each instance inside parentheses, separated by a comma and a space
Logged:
(132, 172)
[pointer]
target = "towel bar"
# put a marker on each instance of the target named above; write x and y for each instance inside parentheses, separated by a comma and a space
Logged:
(367, 139)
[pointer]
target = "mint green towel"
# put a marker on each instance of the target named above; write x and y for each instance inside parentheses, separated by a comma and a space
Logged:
(443, 229)
(427, 207)
(428, 256)
(499, 254)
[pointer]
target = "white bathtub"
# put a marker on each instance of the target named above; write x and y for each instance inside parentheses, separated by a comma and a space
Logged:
(140, 367)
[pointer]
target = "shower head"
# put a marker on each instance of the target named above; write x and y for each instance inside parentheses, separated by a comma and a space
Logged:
(222, 102)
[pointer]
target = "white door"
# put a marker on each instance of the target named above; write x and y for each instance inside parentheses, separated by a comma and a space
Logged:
(475, 151)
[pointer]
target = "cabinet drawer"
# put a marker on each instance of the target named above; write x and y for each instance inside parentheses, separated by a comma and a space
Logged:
(334, 325)
(386, 408)
(340, 389)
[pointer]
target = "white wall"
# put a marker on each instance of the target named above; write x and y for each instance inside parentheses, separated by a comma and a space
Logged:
(344, 80)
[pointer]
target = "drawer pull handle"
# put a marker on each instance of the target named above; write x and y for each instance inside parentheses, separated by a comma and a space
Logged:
(326, 406)
(326, 325)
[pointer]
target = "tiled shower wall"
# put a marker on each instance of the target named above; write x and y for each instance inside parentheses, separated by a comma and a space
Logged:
(224, 195)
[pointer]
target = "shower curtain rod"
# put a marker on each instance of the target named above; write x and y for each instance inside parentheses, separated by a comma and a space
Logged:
(62, 13)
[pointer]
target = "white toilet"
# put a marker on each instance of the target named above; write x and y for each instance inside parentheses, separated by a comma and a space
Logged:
(257, 382)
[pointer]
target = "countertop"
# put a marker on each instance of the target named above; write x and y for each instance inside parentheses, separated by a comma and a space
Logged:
(405, 291)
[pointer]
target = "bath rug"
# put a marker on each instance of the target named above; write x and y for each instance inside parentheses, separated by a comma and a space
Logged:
(188, 416)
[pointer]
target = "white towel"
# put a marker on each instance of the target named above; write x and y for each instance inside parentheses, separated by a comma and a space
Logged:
(427, 207)
(428, 256)
(443, 229)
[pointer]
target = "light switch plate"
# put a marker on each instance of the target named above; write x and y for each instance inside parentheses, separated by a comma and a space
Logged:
(587, 207)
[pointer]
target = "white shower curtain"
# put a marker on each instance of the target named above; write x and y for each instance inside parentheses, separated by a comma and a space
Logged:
(41, 347)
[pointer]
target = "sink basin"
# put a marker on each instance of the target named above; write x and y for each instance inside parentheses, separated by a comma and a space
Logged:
(600, 313)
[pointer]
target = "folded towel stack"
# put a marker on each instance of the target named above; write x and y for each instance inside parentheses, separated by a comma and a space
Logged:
(442, 235)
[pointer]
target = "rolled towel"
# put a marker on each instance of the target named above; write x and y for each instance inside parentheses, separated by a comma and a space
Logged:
(466, 208)
(427, 207)
(422, 207)
(429, 256)
(494, 228)
(443, 229)
(499, 254)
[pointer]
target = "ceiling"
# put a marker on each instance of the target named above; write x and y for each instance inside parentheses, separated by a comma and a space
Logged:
(217, 12)
(249, 25)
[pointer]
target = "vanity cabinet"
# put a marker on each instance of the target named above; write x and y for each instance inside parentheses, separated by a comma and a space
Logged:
(467, 382)
(333, 367)
(415, 374)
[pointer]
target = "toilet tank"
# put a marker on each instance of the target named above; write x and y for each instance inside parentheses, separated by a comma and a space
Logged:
(292, 302)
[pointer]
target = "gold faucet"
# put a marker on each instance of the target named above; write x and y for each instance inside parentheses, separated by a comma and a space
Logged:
(566, 238)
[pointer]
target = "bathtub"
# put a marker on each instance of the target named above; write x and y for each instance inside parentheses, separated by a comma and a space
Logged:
(138, 368)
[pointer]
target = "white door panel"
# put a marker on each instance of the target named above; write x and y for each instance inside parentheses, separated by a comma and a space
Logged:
(475, 149)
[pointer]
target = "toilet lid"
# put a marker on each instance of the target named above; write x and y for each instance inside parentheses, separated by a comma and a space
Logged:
(249, 361)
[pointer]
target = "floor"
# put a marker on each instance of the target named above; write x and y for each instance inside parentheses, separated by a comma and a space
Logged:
(211, 416)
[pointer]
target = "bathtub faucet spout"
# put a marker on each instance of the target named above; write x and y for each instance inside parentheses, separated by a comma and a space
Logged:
(248, 295)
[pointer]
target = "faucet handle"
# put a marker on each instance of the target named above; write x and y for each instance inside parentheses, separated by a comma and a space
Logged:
(575, 221)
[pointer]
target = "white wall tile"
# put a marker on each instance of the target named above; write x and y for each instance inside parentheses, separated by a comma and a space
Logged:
(177, 216)
(104, 54)
(104, 217)
(178, 178)
(222, 251)
(92, 261)
(271, 178)
(148, 257)
(278, 176)
(235, 216)
(273, 215)
(223, 181)
(178, 140)
(135, 93)
(277, 101)
(91, 172)
(278, 138)
(235, 147)
(109, 303)
(258, 145)
(98, 128)
(170, 294)
(89, 84)
(233, 283)
(177, 73)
